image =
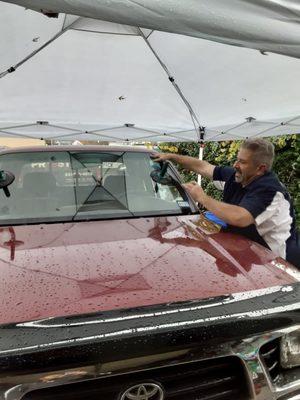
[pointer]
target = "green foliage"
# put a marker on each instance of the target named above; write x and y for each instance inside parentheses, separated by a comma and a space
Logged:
(286, 164)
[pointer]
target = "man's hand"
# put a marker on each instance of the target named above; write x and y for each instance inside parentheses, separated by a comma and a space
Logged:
(159, 157)
(195, 191)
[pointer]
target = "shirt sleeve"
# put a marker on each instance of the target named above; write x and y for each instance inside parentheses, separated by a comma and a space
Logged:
(221, 175)
(260, 203)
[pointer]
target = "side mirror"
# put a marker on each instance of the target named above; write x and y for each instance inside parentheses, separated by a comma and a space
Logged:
(159, 174)
(6, 179)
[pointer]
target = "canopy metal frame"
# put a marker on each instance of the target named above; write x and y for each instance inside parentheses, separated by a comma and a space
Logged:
(202, 133)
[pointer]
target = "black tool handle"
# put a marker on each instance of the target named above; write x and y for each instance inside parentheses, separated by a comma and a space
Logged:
(6, 191)
(164, 169)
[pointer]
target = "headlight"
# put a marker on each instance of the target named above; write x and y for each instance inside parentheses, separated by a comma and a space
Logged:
(290, 350)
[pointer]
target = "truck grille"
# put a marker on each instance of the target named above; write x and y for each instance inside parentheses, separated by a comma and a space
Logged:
(217, 379)
(270, 353)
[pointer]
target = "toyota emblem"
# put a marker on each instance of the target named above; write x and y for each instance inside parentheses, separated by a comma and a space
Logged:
(144, 391)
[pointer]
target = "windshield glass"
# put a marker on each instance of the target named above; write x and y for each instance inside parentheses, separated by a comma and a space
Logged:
(81, 185)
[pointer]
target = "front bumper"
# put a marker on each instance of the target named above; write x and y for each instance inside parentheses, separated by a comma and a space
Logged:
(64, 351)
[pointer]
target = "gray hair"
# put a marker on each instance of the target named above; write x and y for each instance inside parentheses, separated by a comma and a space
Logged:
(263, 151)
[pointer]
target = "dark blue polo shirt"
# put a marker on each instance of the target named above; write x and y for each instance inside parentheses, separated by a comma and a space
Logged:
(268, 202)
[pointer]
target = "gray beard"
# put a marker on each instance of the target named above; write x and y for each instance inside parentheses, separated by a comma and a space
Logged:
(238, 179)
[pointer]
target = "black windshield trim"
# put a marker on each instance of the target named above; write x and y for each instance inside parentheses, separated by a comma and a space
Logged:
(51, 221)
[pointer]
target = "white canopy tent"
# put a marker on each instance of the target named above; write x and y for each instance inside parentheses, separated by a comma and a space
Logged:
(73, 77)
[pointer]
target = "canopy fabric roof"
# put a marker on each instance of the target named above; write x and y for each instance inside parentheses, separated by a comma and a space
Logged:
(102, 80)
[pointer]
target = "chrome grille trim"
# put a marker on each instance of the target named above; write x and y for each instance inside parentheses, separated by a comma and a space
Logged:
(270, 354)
(261, 386)
(218, 378)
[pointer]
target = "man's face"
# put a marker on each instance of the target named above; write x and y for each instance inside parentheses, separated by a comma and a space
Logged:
(246, 169)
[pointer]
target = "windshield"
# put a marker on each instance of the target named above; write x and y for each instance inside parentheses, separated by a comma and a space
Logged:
(81, 185)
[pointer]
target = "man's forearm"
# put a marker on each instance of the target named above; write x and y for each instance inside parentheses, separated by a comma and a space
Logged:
(193, 164)
(186, 162)
(231, 214)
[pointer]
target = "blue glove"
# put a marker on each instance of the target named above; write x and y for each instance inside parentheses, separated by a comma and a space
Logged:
(211, 217)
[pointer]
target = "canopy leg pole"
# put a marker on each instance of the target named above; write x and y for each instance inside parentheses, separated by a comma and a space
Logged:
(201, 151)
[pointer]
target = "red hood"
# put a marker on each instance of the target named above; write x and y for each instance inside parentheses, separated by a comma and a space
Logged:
(84, 267)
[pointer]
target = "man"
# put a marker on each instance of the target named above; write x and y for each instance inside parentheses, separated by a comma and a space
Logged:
(255, 204)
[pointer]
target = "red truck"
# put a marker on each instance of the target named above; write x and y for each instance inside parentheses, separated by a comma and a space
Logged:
(115, 287)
